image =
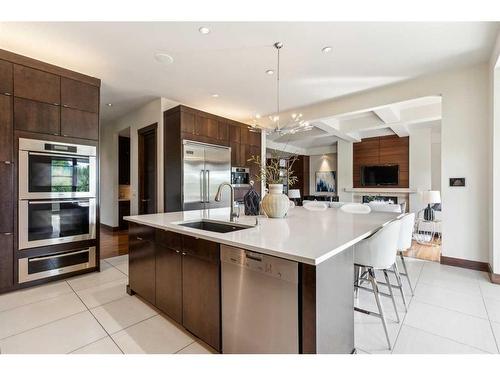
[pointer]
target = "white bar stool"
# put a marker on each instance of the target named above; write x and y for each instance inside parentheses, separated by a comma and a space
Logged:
(404, 243)
(378, 252)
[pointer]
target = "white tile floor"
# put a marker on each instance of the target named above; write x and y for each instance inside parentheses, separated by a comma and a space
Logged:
(453, 311)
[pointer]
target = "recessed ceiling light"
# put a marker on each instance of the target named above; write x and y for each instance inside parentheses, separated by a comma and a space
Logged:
(215, 95)
(204, 30)
(257, 115)
(270, 72)
(326, 49)
(163, 58)
(109, 104)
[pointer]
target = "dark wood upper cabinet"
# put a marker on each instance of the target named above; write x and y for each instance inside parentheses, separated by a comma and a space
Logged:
(79, 124)
(6, 199)
(201, 292)
(244, 135)
(207, 127)
(169, 281)
(36, 117)
(187, 122)
(6, 86)
(79, 95)
(37, 85)
(142, 264)
(6, 261)
(234, 133)
(223, 131)
(6, 126)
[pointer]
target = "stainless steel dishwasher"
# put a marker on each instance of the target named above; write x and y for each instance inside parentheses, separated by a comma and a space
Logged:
(259, 303)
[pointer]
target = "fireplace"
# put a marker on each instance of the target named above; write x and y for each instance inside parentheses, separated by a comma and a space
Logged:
(379, 198)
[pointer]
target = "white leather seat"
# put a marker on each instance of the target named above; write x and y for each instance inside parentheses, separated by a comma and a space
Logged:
(356, 208)
(315, 206)
(378, 252)
(385, 207)
(405, 242)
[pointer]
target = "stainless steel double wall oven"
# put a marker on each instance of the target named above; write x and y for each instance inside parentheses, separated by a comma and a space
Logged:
(57, 205)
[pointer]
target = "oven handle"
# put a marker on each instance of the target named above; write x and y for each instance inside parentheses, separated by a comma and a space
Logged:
(71, 201)
(58, 256)
(59, 154)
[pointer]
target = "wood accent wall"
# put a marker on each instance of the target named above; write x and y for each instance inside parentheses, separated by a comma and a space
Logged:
(390, 149)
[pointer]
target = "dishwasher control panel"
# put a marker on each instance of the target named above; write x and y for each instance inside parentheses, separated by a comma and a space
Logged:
(279, 268)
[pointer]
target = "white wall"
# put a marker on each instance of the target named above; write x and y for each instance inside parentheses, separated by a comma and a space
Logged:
(344, 170)
(420, 166)
(146, 115)
(435, 163)
(494, 192)
(320, 163)
(465, 152)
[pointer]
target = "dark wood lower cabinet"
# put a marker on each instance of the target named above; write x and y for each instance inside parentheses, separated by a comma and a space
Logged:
(201, 299)
(6, 261)
(169, 281)
(123, 210)
(180, 275)
(142, 262)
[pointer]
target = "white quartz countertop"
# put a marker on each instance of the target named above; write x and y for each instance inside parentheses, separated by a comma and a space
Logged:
(304, 236)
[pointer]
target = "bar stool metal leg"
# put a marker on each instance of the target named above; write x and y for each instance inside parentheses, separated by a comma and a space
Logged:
(406, 272)
(373, 280)
(400, 284)
(388, 281)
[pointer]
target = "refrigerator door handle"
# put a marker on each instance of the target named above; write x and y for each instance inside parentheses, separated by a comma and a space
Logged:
(202, 186)
(208, 186)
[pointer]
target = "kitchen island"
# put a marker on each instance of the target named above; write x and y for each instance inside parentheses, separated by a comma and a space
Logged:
(178, 268)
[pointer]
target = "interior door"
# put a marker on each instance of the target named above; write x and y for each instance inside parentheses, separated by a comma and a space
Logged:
(147, 170)
(218, 171)
(194, 177)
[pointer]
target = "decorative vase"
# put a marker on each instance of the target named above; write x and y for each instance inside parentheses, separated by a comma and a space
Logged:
(275, 204)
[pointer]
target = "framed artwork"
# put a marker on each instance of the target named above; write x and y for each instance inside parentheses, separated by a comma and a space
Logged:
(326, 182)
(457, 181)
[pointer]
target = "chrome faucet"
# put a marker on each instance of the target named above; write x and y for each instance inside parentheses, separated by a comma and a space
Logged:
(233, 215)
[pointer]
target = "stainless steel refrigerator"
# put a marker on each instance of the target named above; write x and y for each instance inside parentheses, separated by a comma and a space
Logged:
(205, 168)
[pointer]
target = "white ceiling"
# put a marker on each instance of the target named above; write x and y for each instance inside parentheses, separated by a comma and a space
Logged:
(232, 59)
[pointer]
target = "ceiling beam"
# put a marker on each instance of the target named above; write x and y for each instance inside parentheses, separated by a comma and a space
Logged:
(388, 114)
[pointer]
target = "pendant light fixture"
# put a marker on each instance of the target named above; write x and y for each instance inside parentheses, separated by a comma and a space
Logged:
(296, 124)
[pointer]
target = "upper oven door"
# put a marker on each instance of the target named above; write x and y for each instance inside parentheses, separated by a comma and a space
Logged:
(56, 174)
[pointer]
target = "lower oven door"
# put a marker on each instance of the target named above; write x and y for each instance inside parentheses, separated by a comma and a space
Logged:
(52, 222)
(44, 266)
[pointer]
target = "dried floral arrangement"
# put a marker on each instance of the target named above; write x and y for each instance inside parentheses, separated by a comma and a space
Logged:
(269, 170)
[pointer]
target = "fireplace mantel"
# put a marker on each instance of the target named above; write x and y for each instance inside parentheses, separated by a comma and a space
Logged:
(381, 190)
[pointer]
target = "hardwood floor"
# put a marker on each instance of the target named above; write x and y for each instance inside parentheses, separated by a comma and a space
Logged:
(425, 252)
(113, 243)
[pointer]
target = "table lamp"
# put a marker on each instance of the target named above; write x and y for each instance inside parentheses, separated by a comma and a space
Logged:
(430, 197)
(294, 194)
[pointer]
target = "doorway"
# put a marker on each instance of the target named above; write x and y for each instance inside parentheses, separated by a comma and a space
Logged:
(148, 169)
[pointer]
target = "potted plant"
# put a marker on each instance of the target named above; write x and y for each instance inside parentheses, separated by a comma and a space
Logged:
(273, 172)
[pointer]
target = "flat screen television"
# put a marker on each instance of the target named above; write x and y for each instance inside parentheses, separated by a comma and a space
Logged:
(380, 175)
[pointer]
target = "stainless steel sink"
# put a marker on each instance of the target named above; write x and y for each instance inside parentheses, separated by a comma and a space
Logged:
(215, 226)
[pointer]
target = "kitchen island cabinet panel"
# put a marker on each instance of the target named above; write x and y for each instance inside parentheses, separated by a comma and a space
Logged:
(169, 281)
(142, 265)
(201, 299)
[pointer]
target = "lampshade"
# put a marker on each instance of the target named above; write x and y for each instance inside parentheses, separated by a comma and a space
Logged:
(294, 193)
(431, 197)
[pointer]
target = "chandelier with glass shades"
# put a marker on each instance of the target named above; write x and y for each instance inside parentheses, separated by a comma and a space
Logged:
(295, 124)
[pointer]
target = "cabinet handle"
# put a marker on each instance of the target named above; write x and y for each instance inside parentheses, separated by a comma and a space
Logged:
(55, 133)
(7, 162)
(7, 234)
(139, 238)
(65, 105)
(7, 93)
(177, 251)
(55, 103)
(183, 253)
